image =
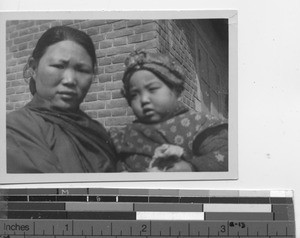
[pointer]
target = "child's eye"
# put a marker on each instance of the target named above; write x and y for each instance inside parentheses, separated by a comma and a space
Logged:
(133, 95)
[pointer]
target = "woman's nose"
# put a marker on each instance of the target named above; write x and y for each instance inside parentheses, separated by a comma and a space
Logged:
(69, 77)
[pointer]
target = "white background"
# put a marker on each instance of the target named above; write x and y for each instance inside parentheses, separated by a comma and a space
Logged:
(268, 87)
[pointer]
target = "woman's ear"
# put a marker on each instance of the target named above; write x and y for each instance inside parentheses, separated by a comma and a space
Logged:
(30, 69)
(32, 66)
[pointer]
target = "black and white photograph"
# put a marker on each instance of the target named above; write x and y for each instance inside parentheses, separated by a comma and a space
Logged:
(103, 97)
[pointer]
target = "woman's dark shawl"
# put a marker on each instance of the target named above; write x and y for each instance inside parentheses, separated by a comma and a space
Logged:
(42, 140)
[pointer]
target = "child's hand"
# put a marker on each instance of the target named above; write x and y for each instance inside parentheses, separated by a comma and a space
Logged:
(167, 150)
(181, 166)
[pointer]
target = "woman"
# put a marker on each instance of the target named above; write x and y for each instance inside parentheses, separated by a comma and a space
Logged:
(51, 134)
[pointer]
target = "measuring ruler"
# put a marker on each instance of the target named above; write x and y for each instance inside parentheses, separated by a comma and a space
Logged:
(103, 212)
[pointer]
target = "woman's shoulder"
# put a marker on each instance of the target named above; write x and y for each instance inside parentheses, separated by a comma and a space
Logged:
(22, 117)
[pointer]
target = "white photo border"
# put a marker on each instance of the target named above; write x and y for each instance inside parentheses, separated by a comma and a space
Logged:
(231, 174)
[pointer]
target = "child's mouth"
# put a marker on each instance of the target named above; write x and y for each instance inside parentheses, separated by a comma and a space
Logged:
(148, 112)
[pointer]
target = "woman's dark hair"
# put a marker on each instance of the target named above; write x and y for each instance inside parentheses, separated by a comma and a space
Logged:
(52, 36)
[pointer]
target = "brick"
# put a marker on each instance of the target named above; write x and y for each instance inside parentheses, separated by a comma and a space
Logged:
(18, 68)
(10, 91)
(104, 113)
(114, 68)
(145, 21)
(9, 70)
(21, 89)
(105, 44)
(118, 112)
(100, 70)
(92, 114)
(118, 121)
(106, 28)
(129, 111)
(96, 105)
(20, 76)
(14, 35)
(28, 31)
(119, 25)
(99, 37)
(92, 23)
(120, 41)
(131, 23)
(147, 45)
(134, 38)
(146, 28)
(41, 22)
(67, 22)
(10, 29)
(103, 78)
(9, 56)
(32, 44)
(97, 88)
(104, 61)
(119, 33)
(120, 50)
(113, 85)
(10, 63)
(116, 94)
(45, 27)
(14, 48)
(119, 58)
(90, 97)
(93, 31)
(24, 24)
(9, 106)
(18, 97)
(22, 53)
(116, 103)
(100, 53)
(23, 46)
(12, 22)
(19, 105)
(55, 23)
(9, 43)
(18, 83)
(104, 96)
(111, 21)
(23, 60)
(118, 76)
(149, 35)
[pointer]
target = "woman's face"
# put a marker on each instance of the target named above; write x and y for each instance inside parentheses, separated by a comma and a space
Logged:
(63, 75)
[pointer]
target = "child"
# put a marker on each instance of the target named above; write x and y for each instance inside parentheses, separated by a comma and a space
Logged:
(166, 136)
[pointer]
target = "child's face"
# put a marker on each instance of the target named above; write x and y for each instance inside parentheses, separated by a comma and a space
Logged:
(151, 99)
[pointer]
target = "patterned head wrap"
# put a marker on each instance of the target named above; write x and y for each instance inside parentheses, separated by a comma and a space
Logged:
(161, 65)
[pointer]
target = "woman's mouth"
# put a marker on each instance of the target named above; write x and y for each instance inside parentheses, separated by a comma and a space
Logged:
(67, 94)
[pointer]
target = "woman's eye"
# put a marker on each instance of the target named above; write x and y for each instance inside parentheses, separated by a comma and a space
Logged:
(86, 71)
(58, 66)
(153, 89)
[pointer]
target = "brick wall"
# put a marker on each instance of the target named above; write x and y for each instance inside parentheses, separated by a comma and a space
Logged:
(114, 40)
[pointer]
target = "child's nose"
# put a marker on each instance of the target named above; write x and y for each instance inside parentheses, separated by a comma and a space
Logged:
(145, 98)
